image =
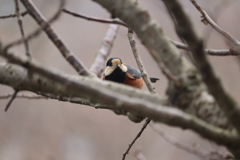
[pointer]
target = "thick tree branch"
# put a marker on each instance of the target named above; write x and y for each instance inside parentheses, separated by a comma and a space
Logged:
(191, 94)
(106, 93)
(186, 31)
(66, 53)
(22, 96)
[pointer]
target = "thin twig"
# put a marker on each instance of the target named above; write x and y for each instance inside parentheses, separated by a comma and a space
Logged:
(212, 52)
(14, 15)
(139, 62)
(178, 44)
(207, 19)
(11, 100)
(111, 21)
(106, 47)
(21, 29)
(215, 14)
(37, 32)
(197, 152)
(138, 135)
(66, 53)
(146, 79)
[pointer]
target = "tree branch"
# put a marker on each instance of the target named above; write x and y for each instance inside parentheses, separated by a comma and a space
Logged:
(134, 140)
(37, 32)
(140, 63)
(185, 31)
(212, 52)
(21, 28)
(191, 95)
(106, 47)
(111, 21)
(11, 100)
(66, 53)
(178, 44)
(14, 15)
(106, 93)
(147, 82)
(23, 96)
(208, 20)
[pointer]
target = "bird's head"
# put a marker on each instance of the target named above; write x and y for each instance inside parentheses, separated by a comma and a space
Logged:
(112, 64)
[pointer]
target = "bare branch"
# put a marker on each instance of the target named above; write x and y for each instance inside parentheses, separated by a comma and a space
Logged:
(106, 47)
(37, 32)
(66, 53)
(147, 82)
(215, 13)
(140, 63)
(208, 20)
(21, 28)
(74, 100)
(138, 135)
(104, 93)
(14, 15)
(11, 100)
(111, 21)
(178, 44)
(186, 32)
(212, 52)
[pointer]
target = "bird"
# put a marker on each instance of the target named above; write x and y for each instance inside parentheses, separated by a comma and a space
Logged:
(117, 71)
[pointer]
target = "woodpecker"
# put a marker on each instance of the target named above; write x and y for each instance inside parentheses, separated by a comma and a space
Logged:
(119, 72)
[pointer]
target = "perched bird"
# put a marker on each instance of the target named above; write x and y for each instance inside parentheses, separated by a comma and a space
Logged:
(119, 72)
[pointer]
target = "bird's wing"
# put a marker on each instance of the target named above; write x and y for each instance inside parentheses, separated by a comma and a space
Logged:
(132, 73)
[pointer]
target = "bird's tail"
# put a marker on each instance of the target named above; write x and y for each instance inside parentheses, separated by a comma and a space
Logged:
(153, 79)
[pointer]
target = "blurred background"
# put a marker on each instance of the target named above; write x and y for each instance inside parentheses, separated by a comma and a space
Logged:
(52, 130)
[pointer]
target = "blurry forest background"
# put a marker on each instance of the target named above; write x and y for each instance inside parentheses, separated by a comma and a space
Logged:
(52, 130)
